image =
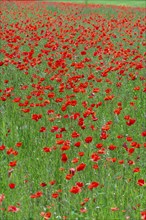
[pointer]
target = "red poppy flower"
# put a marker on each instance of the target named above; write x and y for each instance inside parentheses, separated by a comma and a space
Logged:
(143, 215)
(75, 134)
(141, 182)
(13, 209)
(95, 157)
(12, 185)
(131, 121)
(36, 195)
(80, 184)
(43, 184)
(93, 185)
(46, 215)
(42, 129)
(72, 171)
(75, 160)
(64, 158)
(68, 176)
(36, 117)
(137, 169)
(88, 139)
(83, 210)
(2, 147)
(18, 144)
(83, 52)
(75, 189)
(81, 167)
(143, 134)
(13, 163)
(129, 138)
(99, 145)
(81, 154)
(52, 182)
(65, 147)
(103, 135)
(77, 144)
(112, 147)
(2, 197)
(47, 149)
(55, 195)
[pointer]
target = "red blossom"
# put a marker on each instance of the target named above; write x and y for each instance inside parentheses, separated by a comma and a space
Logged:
(75, 134)
(82, 210)
(42, 129)
(137, 169)
(55, 195)
(43, 184)
(36, 195)
(141, 182)
(75, 189)
(12, 185)
(13, 163)
(64, 158)
(143, 134)
(93, 185)
(88, 139)
(46, 215)
(13, 209)
(81, 167)
(2, 147)
(131, 121)
(72, 171)
(2, 197)
(112, 147)
(143, 215)
(47, 149)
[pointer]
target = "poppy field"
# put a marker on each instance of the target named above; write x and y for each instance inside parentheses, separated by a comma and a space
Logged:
(72, 111)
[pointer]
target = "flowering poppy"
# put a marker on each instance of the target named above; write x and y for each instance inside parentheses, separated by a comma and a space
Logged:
(55, 195)
(81, 167)
(75, 189)
(75, 134)
(36, 195)
(46, 215)
(141, 182)
(64, 158)
(13, 163)
(136, 169)
(2, 147)
(18, 144)
(143, 215)
(93, 185)
(80, 184)
(13, 209)
(12, 185)
(143, 134)
(2, 197)
(131, 122)
(42, 129)
(82, 210)
(88, 139)
(77, 144)
(43, 184)
(47, 149)
(112, 147)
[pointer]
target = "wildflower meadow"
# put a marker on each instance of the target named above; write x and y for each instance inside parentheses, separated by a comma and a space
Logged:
(72, 111)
